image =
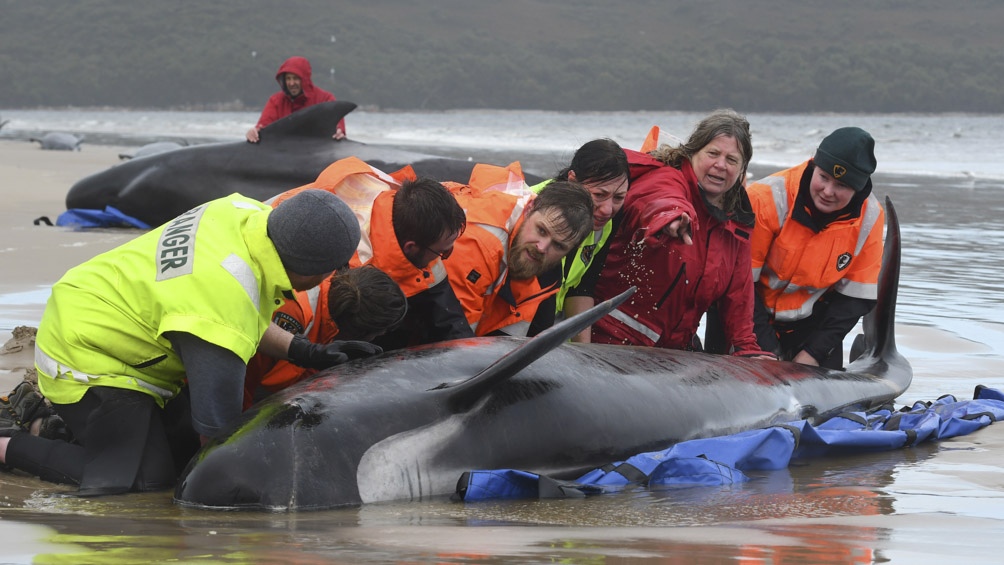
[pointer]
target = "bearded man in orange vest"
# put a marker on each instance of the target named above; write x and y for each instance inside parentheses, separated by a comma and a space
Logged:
(817, 250)
(508, 261)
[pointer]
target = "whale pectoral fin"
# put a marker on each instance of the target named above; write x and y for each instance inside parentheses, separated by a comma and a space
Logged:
(319, 120)
(464, 393)
(137, 183)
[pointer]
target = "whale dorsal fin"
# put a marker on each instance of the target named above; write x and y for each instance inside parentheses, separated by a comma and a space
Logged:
(464, 393)
(880, 324)
(319, 120)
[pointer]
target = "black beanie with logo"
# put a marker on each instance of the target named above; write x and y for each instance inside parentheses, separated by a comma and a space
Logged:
(848, 155)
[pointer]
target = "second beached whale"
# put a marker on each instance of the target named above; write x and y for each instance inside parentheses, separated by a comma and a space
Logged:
(291, 153)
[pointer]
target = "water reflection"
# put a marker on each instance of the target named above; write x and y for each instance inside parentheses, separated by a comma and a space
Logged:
(22, 308)
(763, 520)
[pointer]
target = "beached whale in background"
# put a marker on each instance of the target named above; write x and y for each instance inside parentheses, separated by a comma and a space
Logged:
(154, 148)
(59, 141)
(407, 424)
(292, 152)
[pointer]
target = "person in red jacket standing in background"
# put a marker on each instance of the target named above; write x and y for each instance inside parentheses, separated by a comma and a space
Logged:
(297, 91)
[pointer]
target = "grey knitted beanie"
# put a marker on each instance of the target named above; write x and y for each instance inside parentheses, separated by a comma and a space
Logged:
(315, 232)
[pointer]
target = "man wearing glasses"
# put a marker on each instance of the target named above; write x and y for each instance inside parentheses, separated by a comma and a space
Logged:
(408, 228)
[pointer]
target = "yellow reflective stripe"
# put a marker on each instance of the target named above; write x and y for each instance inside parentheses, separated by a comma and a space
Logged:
(868, 291)
(780, 194)
(438, 270)
(365, 248)
(241, 271)
(503, 237)
(803, 311)
(313, 296)
(867, 223)
(161, 392)
(49, 367)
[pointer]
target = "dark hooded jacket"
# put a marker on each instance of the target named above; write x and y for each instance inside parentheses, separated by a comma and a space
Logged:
(281, 104)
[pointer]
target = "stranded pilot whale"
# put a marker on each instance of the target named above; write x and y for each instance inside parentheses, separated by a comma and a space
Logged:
(58, 141)
(292, 152)
(407, 424)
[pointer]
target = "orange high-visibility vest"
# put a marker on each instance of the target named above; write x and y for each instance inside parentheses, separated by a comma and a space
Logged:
(307, 315)
(388, 256)
(370, 194)
(494, 202)
(794, 265)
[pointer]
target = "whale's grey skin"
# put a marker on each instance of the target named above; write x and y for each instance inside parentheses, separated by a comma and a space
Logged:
(407, 424)
(59, 141)
(154, 148)
(292, 152)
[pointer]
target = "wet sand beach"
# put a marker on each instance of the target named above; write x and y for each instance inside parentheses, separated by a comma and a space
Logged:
(34, 184)
(936, 502)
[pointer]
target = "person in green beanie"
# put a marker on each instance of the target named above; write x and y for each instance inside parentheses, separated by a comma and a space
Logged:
(817, 250)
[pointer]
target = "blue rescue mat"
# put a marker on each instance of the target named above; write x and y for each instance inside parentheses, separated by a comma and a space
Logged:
(110, 217)
(723, 460)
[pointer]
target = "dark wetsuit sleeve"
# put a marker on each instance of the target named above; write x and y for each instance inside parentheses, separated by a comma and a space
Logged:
(842, 313)
(215, 381)
(766, 337)
(544, 318)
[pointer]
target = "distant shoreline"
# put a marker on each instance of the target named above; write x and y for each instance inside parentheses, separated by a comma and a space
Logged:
(239, 106)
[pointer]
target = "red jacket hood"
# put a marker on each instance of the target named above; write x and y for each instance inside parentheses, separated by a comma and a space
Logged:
(300, 67)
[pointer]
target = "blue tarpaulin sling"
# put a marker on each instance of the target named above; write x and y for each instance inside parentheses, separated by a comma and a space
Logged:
(723, 460)
(110, 217)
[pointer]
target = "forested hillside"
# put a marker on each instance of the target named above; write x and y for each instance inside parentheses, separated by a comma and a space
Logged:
(576, 55)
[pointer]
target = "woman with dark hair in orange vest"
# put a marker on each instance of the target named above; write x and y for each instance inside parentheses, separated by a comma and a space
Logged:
(817, 250)
(357, 304)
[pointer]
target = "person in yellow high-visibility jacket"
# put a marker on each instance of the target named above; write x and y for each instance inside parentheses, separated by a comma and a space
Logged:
(127, 334)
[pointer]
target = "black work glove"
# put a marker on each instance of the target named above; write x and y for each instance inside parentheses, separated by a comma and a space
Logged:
(307, 354)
